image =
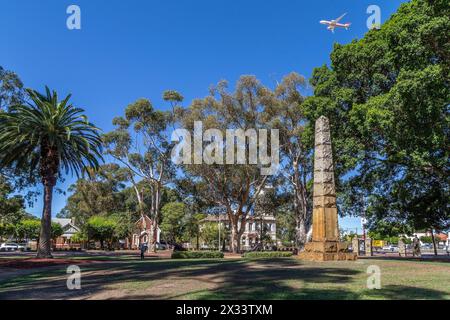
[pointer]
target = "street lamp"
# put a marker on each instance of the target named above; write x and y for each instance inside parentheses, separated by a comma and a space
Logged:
(219, 232)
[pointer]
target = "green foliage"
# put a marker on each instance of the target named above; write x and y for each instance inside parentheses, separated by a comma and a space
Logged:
(11, 206)
(56, 128)
(124, 224)
(267, 254)
(387, 99)
(28, 229)
(383, 230)
(57, 230)
(100, 193)
(286, 224)
(7, 230)
(192, 228)
(348, 237)
(101, 229)
(197, 255)
(209, 233)
(426, 239)
(242, 108)
(141, 144)
(79, 237)
(46, 137)
(407, 240)
(11, 89)
(173, 221)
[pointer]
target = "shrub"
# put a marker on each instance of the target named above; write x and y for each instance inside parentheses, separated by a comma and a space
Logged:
(197, 255)
(267, 254)
(426, 239)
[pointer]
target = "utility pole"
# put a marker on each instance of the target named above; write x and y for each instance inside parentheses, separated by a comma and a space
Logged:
(363, 219)
(219, 233)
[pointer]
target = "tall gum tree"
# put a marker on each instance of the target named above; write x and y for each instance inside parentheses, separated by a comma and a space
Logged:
(285, 112)
(233, 187)
(141, 145)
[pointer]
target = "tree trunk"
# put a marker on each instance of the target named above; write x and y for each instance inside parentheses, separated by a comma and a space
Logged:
(44, 250)
(235, 239)
(153, 239)
(301, 234)
(155, 209)
(198, 240)
(434, 243)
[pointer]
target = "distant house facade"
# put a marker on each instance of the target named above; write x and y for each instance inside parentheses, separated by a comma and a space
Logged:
(256, 227)
(65, 240)
(260, 225)
(143, 232)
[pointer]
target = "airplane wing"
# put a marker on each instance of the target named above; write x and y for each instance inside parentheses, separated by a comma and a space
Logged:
(338, 19)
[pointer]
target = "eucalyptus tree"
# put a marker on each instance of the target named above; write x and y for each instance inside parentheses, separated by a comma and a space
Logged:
(99, 193)
(141, 145)
(286, 113)
(11, 89)
(48, 137)
(232, 184)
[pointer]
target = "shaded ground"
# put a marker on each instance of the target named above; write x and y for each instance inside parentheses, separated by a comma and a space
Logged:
(126, 277)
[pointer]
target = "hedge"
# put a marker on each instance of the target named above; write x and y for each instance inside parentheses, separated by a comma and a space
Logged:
(197, 255)
(267, 254)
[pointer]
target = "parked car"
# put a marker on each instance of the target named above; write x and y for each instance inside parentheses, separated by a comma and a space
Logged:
(390, 248)
(24, 246)
(11, 246)
(426, 246)
(162, 245)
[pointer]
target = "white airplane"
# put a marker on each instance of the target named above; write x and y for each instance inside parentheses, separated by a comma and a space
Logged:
(335, 23)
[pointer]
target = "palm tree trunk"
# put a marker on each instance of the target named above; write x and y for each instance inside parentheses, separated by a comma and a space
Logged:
(44, 250)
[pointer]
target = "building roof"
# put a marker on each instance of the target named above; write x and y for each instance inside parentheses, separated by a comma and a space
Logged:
(62, 221)
(67, 225)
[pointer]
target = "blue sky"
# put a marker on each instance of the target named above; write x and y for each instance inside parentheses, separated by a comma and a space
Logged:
(138, 48)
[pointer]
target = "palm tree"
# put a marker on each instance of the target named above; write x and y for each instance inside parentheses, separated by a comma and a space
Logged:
(46, 137)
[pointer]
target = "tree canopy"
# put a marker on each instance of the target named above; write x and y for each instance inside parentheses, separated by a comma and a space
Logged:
(387, 97)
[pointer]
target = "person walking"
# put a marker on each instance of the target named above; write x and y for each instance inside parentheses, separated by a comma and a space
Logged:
(143, 247)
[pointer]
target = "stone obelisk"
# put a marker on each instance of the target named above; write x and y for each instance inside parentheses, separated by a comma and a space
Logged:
(325, 243)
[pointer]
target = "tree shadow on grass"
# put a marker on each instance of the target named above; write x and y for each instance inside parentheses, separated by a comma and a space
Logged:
(211, 279)
(429, 258)
(395, 292)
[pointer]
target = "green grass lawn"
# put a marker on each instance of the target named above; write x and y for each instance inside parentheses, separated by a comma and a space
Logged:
(282, 278)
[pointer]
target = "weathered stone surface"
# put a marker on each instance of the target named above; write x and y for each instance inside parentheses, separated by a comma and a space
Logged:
(319, 256)
(325, 245)
(355, 246)
(324, 202)
(368, 247)
(323, 190)
(323, 166)
(324, 177)
(401, 248)
(322, 131)
(325, 225)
